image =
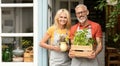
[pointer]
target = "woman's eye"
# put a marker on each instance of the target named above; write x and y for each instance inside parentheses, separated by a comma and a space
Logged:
(61, 17)
(65, 17)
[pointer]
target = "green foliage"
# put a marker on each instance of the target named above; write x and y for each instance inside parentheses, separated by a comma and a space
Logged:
(101, 4)
(64, 38)
(116, 37)
(112, 19)
(82, 39)
(26, 42)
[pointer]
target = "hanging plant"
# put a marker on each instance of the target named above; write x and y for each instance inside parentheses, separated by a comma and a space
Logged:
(112, 2)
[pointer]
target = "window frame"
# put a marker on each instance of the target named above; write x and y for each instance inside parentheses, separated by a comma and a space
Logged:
(34, 34)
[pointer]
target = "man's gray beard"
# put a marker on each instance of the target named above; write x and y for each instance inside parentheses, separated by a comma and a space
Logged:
(81, 21)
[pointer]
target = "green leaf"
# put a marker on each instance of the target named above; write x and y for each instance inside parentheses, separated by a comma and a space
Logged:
(81, 38)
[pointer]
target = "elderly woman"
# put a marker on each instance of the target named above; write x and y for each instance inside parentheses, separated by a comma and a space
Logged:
(61, 26)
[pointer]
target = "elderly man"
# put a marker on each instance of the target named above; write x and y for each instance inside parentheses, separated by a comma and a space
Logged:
(95, 32)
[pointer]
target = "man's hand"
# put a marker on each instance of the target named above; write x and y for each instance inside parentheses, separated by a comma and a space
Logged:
(92, 55)
(71, 53)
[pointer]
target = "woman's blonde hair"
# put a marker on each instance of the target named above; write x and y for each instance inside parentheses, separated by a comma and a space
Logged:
(68, 24)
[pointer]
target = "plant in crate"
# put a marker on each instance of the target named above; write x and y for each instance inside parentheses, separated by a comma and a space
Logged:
(82, 43)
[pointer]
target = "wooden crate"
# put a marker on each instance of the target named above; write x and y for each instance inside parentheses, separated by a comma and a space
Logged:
(26, 54)
(28, 57)
(82, 51)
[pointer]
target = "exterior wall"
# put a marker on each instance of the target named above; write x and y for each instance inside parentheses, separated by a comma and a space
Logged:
(42, 27)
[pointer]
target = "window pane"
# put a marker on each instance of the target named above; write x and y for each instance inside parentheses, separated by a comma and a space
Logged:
(17, 1)
(73, 5)
(17, 49)
(64, 4)
(17, 20)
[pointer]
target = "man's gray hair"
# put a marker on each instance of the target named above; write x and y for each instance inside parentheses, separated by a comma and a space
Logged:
(81, 5)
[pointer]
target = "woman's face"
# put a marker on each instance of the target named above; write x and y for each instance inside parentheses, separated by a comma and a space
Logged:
(62, 19)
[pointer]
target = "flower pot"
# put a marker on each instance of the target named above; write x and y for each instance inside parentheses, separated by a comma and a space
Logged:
(63, 46)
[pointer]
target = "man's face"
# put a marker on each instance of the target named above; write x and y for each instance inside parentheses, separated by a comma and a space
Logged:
(81, 14)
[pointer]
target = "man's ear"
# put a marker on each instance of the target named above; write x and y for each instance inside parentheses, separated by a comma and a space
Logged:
(87, 12)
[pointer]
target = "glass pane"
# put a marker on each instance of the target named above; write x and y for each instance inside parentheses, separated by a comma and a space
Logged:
(17, 20)
(73, 5)
(17, 49)
(64, 4)
(17, 1)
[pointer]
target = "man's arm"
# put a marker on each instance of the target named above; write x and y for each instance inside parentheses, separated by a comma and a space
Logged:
(98, 49)
(99, 45)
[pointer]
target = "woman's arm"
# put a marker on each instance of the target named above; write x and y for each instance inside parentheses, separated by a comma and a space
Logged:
(44, 40)
(43, 43)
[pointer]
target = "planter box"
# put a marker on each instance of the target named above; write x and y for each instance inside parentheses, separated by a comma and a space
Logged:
(82, 51)
(28, 57)
(28, 54)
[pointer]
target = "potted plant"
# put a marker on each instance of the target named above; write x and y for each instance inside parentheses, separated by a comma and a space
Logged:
(63, 42)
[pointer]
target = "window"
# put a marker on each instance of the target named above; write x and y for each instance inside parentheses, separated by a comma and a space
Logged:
(17, 32)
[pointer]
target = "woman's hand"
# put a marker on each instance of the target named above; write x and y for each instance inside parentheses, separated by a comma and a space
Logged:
(56, 48)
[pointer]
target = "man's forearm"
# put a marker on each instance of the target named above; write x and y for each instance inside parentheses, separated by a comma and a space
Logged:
(99, 46)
